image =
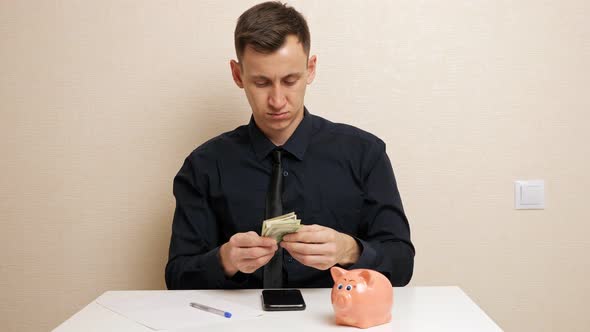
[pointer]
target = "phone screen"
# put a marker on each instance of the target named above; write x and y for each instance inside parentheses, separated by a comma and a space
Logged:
(282, 299)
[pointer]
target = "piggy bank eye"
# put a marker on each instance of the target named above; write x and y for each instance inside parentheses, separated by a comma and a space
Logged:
(340, 286)
(348, 287)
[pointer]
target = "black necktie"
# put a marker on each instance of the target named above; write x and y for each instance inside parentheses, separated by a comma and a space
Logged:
(273, 270)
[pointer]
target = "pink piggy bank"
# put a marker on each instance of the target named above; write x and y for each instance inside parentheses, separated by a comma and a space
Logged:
(361, 298)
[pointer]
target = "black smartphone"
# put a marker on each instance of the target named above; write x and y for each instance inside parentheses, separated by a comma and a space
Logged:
(282, 300)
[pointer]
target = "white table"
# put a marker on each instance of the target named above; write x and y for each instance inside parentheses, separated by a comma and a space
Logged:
(415, 309)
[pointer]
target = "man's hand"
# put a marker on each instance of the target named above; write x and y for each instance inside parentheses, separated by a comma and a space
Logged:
(321, 247)
(246, 252)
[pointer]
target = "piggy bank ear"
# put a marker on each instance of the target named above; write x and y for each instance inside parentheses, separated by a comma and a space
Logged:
(337, 272)
(368, 277)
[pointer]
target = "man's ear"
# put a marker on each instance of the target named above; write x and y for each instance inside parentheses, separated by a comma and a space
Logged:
(311, 66)
(236, 73)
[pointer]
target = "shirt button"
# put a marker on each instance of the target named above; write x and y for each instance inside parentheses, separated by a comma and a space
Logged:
(285, 173)
(290, 259)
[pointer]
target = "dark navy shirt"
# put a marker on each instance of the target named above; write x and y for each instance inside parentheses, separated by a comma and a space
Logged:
(335, 175)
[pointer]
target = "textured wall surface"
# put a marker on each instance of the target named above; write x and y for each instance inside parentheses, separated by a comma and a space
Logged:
(101, 101)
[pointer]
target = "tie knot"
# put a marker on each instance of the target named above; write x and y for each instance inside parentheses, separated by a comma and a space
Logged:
(276, 155)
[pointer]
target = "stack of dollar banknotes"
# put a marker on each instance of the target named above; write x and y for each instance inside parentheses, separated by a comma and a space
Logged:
(279, 226)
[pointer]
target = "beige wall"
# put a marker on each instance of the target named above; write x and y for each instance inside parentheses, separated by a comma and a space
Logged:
(101, 101)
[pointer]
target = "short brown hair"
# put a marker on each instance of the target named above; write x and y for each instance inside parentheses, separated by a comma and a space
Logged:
(265, 27)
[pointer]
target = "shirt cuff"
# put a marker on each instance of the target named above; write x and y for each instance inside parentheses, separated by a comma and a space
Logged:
(367, 258)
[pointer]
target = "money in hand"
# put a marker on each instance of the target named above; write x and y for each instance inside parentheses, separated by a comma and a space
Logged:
(277, 227)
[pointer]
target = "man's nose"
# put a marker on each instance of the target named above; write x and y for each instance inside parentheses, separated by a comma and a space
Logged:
(277, 98)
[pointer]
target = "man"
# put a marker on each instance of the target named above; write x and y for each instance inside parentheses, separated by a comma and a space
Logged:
(336, 178)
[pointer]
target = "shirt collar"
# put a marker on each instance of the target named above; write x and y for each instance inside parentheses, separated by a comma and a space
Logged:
(295, 145)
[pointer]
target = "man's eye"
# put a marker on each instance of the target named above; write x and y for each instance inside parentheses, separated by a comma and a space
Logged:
(261, 84)
(291, 82)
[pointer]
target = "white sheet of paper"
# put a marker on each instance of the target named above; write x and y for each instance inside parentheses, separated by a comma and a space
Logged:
(167, 310)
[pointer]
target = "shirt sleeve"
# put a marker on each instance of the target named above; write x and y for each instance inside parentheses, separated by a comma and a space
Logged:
(385, 233)
(193, 261)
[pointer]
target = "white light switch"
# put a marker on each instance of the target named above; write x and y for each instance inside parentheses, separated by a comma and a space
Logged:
(529, 194)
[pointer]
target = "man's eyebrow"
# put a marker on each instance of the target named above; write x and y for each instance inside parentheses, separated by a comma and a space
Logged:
(294, 75)
(291, 75)
(259, 77)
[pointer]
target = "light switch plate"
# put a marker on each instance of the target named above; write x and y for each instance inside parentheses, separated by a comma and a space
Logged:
(529, 194)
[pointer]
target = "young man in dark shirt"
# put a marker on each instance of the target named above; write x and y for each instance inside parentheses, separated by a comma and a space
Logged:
(336, 178)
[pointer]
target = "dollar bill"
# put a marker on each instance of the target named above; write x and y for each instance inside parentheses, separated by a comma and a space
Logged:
(278, 227)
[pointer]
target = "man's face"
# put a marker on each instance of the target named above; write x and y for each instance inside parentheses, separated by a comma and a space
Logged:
(275, 87)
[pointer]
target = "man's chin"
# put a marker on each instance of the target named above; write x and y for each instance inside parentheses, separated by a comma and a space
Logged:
(278, 126)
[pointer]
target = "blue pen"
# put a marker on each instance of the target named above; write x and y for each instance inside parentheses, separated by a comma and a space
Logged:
(211, 310)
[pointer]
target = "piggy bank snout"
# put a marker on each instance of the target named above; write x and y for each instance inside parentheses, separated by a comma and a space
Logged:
(342, 300)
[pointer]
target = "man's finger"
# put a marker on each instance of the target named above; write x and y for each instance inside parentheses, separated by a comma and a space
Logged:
(251, 239)
(264, 259)
(306, 248)
(309, 236)
(311, 228)
(267, 241)
(255, 252)
(251, 265)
